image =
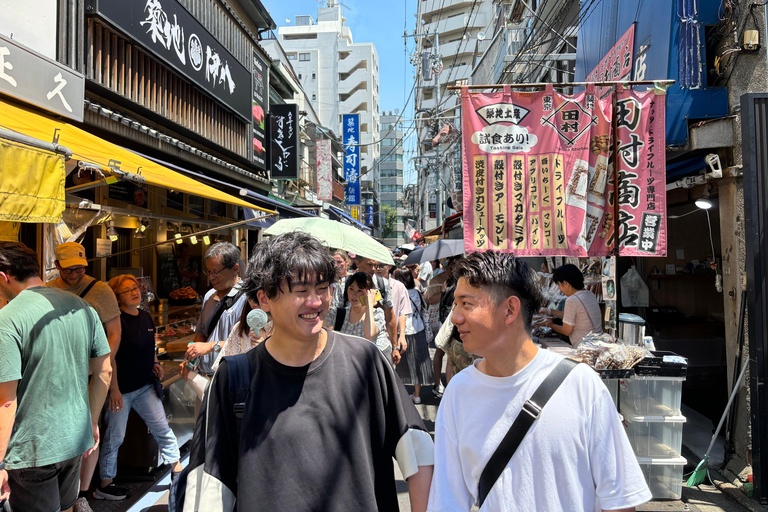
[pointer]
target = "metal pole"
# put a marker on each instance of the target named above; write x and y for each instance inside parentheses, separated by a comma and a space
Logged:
(564, 84)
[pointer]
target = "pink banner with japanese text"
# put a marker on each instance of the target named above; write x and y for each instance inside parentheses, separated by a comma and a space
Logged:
(616, 66)
(538, 177)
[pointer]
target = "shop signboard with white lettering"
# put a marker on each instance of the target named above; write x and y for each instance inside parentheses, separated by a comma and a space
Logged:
(28, 76)
(284, 142)
(170, 32)
(324, 176)
(351, 139)
(259, 108)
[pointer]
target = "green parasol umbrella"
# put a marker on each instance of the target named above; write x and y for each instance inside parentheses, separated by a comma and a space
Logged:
(335, 235)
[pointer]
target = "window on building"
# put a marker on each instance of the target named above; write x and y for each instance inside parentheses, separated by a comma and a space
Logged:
(314, 96)
(314, 75)
(304, 57)
(291, 56)
(300, 76)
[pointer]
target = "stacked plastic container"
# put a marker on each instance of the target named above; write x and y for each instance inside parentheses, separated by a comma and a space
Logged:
(650, 405)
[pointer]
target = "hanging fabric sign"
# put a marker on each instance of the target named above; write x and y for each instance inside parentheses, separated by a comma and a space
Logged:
(642, 191)
(537, 176)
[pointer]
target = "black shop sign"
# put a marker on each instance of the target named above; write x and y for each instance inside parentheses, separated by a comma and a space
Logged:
(284, 142)
(170, 32)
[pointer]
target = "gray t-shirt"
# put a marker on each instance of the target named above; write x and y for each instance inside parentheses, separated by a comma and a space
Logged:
(100, 297)
(47, 339)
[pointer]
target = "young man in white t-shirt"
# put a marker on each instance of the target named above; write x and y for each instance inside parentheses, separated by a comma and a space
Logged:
(575, 456)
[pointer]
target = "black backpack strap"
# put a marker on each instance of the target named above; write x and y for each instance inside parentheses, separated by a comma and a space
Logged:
(341, 314)
(530, 413)
(239, 372)
(88, 288)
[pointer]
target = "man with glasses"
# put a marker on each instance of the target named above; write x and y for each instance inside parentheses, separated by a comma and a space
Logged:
(222, 306)
(71, 264)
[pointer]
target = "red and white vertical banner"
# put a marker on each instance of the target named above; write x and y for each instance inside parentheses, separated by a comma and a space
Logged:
(642, 191)
(324, 176)
(538, 177)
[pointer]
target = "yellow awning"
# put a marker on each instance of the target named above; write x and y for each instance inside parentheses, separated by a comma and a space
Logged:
(31, 183)
(93, 149)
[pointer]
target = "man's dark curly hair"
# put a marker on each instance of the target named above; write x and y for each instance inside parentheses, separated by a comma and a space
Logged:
(295, 257)
(503, 275)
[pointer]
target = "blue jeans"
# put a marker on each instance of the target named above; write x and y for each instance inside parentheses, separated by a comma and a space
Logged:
(145, 402)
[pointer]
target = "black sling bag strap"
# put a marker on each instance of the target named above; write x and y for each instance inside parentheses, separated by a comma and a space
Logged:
(88, 288)
(341, 313)
(530, 413)
(224, 304)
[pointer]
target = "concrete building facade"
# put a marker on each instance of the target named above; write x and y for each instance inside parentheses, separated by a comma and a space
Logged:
(388, 176)
(450, 34)
(339, 76)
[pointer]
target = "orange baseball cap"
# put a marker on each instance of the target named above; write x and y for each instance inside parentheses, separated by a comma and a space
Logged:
(70, 254)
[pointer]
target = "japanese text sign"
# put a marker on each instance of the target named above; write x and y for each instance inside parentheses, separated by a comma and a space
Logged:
(169, 31)
(324, 176)
(351, 139)
(259, 108)
(284, 142)
(30, 77)
(369, 215)
(616, 66)
(538, 176)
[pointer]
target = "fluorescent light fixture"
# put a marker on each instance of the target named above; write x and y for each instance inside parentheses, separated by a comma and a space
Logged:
(206, 240)
(193, 240)
(177, 236)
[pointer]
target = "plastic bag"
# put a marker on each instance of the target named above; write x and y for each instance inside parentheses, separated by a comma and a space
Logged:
(634, 291)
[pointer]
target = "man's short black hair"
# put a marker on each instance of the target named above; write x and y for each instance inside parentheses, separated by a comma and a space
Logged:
(18, 261)
(294, 257)
(363, 280)
(569, 274)
(503, 275)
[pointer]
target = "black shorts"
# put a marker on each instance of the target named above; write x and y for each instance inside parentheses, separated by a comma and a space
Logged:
(47, 488)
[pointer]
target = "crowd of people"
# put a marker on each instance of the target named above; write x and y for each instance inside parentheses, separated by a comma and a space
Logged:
(327, 343)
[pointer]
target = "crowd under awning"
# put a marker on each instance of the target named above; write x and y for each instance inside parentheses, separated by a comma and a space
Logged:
(94, 150)
(342, 216)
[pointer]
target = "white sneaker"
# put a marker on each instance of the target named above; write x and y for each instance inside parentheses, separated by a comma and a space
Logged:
(416, 399)
(438, 390)
(81, 505)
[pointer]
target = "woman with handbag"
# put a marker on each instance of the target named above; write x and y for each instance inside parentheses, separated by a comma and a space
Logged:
(416, 370)
(137, 370)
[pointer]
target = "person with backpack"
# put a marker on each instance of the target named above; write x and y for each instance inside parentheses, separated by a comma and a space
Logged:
(416, 370)
(310, 419)
(524, 428)
(360, 315)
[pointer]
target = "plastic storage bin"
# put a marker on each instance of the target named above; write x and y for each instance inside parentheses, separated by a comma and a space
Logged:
(654, 436)
(664, 476)
(652, 396)
(613, 389)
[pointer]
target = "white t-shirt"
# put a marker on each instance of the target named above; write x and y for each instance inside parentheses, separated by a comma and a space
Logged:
(582, 312)
(575, 457)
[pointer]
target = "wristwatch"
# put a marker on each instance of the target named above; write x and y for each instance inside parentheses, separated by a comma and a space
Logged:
(217, 346)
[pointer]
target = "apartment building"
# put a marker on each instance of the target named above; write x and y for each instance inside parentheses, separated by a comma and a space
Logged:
(388, 176)
(338, 75)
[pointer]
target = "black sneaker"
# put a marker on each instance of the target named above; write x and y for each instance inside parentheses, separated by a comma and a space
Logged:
(110, 493)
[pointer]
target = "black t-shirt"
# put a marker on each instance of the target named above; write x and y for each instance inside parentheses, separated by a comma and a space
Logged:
(315, 438)
(136, 355)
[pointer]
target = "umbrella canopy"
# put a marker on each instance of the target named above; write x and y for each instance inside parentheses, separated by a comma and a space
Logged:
(435, 251)
(335, 235)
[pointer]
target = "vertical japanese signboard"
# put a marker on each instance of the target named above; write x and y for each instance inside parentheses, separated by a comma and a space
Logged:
(538, 177)
(369, 213)
(284, 142)
(324, 170)
(351, 139)
(616, 66)
(259, 108)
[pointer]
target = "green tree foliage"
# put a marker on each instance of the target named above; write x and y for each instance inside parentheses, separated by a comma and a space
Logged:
(390, 221)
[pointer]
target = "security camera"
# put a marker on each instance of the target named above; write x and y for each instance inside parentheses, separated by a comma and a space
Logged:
(713, 160)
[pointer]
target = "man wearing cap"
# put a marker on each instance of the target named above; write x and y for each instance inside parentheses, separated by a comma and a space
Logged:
(72, 264)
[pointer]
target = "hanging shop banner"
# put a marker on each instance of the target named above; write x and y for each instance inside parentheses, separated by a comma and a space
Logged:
(284, 143)
(324, 176)
(259, 108)
(616, 66)
(537, 178)
(351, 139)
(642, 191)
(169, 30)
(369, 214)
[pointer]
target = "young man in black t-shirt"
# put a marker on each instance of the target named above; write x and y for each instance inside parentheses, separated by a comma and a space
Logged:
(325, 413)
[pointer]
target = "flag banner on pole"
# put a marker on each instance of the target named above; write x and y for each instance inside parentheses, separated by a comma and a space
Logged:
(538, 176)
